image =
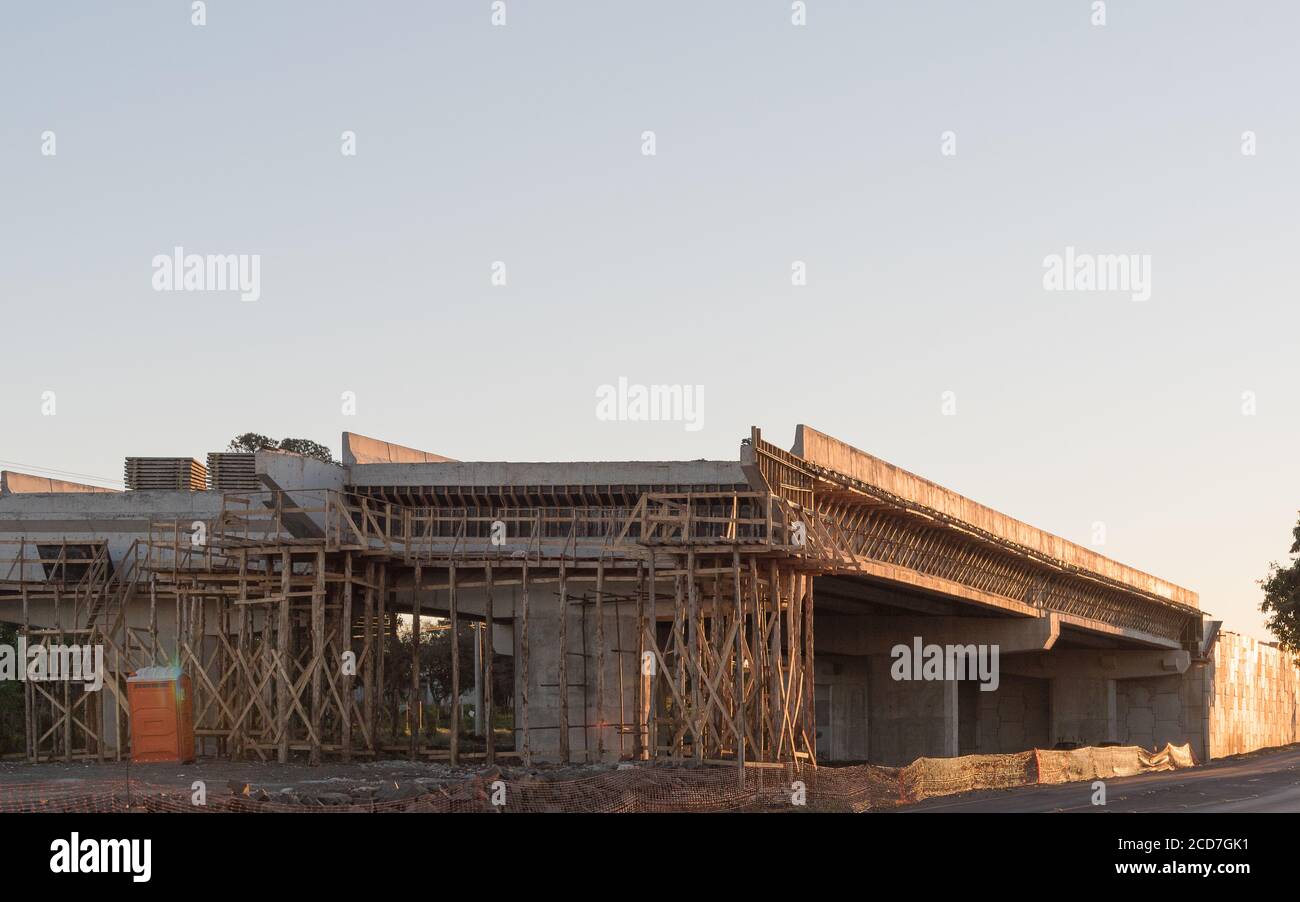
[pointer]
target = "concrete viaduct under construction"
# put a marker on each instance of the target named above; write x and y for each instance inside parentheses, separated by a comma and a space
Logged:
(740, 611)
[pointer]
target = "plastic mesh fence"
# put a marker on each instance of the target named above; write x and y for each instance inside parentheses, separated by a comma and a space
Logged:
(635, 789)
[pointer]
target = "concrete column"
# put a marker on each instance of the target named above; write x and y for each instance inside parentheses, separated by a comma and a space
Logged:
(910, 719)
(622, 670)
(842, 707)
(949, 722)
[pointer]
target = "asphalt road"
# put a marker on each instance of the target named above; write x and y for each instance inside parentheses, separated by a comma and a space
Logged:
(1267, 781)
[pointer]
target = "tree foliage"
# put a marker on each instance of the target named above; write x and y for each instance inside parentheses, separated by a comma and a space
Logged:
(11, 700)
(435, 662)
(255, 441)
(307, 448)
(1282, 597)
(251, 441)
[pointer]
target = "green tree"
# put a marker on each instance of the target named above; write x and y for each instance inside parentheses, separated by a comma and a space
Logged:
(1282, 597)
(251, 441)
(11, 700)
(307, 448)
(255, 441)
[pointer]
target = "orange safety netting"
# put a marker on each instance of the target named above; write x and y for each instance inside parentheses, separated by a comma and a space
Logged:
(640, 789)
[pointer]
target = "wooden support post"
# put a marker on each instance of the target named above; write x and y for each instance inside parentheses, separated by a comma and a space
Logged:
(66, 712)
(394, 701)
(119, 727)
(759, 651)
(794, 689)
(413, 699)
(153, 619)
(381, 642)
(738, 687)
(564, 667)
(180, 633)
(368, 651)
(679, 651)
(269, 613)
(775, 694)
(29, 698)
(198, 631)
(489, 736)
(523, 665)
(241, 638)
(284, 646)
(317, 655)
(695, 640)
(810, 673)
(455, 665)
(643, 680)
(600, 660)
(345, 649)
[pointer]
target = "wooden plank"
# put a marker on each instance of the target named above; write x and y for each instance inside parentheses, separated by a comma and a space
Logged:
(738, 688)
(346, 647)
(413, 698)
(600, 661)
(284, 645)
(455, 666)
(317, 655)
(564, 666)
(368, 653)
(488, 654)
(523, 664)
(643, 683)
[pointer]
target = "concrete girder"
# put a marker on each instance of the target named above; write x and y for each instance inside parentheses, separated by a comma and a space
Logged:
(1110, 664)
(842, 635)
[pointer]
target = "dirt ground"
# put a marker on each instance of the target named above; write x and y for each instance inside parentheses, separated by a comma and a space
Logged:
(330, 782)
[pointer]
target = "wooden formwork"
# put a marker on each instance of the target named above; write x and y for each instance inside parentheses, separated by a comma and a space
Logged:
(283, 608)
(729, 675)
(280, 609)
(71, 582)
(257, 630)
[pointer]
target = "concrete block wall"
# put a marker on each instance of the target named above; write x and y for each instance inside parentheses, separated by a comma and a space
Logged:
(1011, 718)
(1083, 710)
(1256, 696)
(1152, 711)
(909, 719)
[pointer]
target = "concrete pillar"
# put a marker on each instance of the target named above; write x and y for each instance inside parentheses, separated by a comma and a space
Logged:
(842, 717)
(621, 668)
(910, 719)
(949, 724)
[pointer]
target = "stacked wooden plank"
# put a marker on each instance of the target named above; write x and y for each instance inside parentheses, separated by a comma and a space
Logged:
(165, 473)
(232, 471)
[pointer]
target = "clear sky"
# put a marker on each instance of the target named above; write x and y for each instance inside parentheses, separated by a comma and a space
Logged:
(774, 143)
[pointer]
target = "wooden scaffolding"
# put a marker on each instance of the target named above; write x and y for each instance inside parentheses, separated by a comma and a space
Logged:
(285, 616)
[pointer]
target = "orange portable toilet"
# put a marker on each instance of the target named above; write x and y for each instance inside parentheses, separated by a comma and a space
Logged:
(162, 721)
